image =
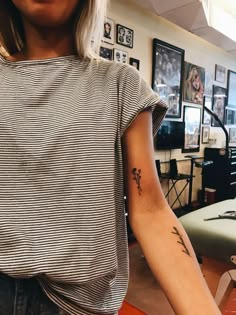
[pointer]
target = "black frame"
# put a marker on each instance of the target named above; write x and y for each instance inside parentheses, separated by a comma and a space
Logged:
(230, 116)
(218, 104)
(106, 53)
(168, 85)
(231, 89)
(190, 130)
(134, 62)
(127, 39)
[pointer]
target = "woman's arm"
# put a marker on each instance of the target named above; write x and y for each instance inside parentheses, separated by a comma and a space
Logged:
(159, 233)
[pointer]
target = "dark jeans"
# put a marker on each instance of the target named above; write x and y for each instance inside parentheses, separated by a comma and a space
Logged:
(25, 297)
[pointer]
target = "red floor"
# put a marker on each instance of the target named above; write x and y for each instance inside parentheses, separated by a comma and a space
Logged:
(128, 309)
(230, 307)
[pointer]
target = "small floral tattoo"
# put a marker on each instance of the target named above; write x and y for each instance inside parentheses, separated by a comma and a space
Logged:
(181, 241)
(137, 177)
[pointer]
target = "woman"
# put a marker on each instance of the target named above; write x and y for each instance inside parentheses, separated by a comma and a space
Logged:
(70, 125)
(194, 87)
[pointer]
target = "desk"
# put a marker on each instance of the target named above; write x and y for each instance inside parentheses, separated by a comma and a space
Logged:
(174, 180)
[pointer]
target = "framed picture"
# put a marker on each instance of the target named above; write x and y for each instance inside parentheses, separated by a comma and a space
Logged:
(230, 117)
(231, 89)
(206, 118)
(209, 81)
(109, 31)
(220, 74)
(232, 135)
(218, 104)
(205, 134)
(134, 62)
(106, 53)
(167, 74)
(124, 36)
(192, 119)
(120, 56)
(194, 82)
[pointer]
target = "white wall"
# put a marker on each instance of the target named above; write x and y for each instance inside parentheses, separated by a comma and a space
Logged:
(146, 26)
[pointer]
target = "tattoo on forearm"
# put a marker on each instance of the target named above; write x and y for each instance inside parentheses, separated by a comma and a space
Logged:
(137, 177)
(181, 241)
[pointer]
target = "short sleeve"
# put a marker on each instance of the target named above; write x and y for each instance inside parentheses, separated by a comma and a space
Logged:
(135, 95)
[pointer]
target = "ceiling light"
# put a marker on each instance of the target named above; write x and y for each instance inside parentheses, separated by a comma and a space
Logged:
(221, 15)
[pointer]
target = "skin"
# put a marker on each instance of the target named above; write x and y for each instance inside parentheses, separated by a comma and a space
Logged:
(162, 238)
(48, 29)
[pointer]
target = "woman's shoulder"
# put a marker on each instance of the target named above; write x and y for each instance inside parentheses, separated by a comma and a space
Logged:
(117, 69)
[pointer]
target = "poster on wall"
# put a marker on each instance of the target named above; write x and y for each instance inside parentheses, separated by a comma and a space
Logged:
(194, 83)
(231, 89)
(109, 31)
(192, 119)
(167, 74)
(206, 118)
(218, 105)
(220, 74)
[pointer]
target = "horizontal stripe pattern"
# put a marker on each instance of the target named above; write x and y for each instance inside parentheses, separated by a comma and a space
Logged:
(61, 176)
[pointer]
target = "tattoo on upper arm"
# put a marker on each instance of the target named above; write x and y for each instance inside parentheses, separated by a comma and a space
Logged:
(181, 241)
(137, 177)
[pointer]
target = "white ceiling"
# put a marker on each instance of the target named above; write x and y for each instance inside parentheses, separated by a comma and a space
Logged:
(189, 14)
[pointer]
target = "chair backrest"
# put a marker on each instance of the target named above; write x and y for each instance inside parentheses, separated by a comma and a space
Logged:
(158, 167)
(173, 168)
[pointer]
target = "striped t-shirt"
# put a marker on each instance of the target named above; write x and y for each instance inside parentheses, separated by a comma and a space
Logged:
(61, 176)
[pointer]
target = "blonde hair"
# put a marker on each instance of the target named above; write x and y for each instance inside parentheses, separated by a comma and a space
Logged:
(88, 29)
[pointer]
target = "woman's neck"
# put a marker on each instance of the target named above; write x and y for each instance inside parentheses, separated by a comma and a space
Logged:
(43, 43)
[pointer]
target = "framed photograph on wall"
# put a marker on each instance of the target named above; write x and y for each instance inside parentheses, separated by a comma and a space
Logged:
(231, 89)
(106, 53)
(218, 104)
(194, 83)
(109, 31)
(192, 119)
(205, 134)
(120, 56)
(167, 74)
(134, 62)
(124, 36)
(230, 117)
(206, 118)
(232, 135)
(220, 74)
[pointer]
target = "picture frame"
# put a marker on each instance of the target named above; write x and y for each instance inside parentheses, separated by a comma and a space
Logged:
(109, 31)
(194, 83)
(232, 135)
(124, 36)
(192, 119)
(206, 118)
(106, 53)
(120, 55)
(230, 117)
(218, 104)
(220, 74)
(134, 62)
(205, 134)
(231, 89)
(167, 75)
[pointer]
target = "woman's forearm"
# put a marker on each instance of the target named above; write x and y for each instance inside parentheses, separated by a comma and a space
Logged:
(169, 254)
